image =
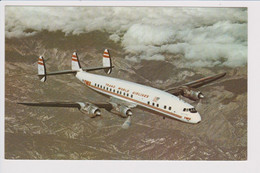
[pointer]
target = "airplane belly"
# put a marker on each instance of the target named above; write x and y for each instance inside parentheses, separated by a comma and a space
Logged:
(160, 113)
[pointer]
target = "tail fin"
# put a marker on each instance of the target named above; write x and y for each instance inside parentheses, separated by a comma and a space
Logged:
(75, 64)
(43, 74)
(107, 61)
(41, 69)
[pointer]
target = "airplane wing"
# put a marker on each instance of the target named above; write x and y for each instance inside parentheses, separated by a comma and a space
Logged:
(115, 101)
(64, 104)
(52, 104)
(90, 108)
(195, 84)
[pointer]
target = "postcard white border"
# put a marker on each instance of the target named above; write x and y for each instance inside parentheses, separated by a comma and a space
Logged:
(251, 165)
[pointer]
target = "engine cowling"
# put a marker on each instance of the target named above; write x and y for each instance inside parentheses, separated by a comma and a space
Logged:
(191, 93)
(89, 109)
(123, 111)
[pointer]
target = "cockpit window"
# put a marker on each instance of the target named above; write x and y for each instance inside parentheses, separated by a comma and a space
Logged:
(191, 110)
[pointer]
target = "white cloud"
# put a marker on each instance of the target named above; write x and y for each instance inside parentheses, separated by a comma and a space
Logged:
(140, 34)
(205, 36)
(115, 37)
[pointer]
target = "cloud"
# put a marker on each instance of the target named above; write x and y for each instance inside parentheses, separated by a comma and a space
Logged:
(204, 36)
(114, 37)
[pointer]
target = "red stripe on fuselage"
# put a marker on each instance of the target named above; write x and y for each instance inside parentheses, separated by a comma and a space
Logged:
(158, 109)
(40, 63)
(105, 56)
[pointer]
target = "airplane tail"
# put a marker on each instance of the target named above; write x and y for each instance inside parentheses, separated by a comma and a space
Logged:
(41, 69)
(75, 66)
(107, 61)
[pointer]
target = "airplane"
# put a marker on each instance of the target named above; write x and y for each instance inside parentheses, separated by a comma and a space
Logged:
(125, 95)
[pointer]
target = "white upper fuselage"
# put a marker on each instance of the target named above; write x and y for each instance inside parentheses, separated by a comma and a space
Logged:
(145, 96)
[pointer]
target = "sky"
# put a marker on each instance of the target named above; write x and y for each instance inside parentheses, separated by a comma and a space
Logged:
(205, 36)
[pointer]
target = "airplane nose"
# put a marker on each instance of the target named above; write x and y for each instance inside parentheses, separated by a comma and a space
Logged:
(198, 118)
(195, 119)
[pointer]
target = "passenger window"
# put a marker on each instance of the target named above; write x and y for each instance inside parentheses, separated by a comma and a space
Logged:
(164, 107)
(124, 94)
(157, 105)
(114, 90)
(110, 89)
(98, 85)
(131, 96)
(127, 94)
(148, 102)
(153, 104)
(170, 108)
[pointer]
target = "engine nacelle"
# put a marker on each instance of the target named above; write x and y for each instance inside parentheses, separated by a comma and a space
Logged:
(90, 109)
(123, 110)
(191, 93)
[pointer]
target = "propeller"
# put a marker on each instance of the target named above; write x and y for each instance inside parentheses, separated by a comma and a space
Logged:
(199, 104)
(127, 123)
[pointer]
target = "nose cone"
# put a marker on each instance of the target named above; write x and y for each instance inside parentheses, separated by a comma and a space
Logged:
(196, 118)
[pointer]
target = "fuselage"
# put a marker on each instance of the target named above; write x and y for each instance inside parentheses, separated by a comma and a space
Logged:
(141, 95)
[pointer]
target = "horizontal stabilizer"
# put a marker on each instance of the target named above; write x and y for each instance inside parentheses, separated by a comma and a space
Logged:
(96, 68)
(75, 65)
(62, 72)
(43, 74)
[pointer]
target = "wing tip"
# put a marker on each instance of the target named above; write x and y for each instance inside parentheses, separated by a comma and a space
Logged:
(223, 74)
(21, 103)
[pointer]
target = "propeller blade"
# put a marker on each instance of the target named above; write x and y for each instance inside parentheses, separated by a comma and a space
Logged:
(199, 104)
(127, 123)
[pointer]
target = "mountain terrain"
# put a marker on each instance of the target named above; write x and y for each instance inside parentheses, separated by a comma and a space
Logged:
(67, 134)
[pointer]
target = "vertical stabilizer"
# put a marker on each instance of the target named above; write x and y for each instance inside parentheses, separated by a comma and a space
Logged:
(75, 64)
(107, 61)
(41, 69)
